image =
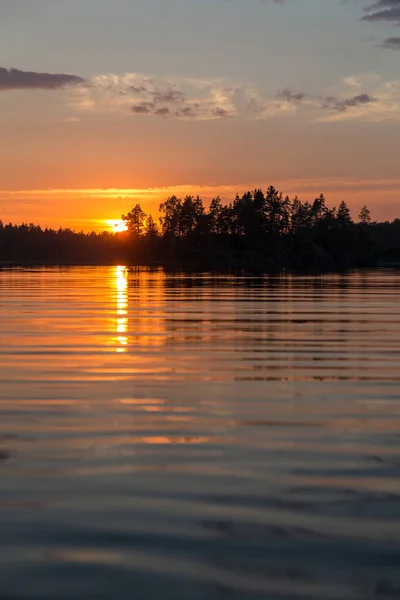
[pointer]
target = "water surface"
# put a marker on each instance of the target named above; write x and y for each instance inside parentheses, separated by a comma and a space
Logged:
(199, 437)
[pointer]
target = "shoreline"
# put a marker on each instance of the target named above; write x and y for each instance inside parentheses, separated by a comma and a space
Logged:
(197, 268)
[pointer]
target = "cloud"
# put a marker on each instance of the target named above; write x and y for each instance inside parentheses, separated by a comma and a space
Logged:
(332, 103)
(366, 98)
(371, 99)
(149, 108)
(383, 10)
(145, 108)
(190, 112)
(219, 112)
(171, 95)
(14, 79)
(141, 95)
(393, 43)
(256, 105)
(292, 97)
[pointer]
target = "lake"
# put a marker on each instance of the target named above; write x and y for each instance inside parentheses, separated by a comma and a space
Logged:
(173, 436)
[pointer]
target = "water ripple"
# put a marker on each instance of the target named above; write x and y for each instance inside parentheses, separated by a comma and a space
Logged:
(199, 436)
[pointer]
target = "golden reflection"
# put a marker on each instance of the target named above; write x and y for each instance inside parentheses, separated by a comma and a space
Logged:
(144, 291)
(121, 284)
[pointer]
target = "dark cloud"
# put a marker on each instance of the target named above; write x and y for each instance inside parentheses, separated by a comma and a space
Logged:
(189, 112)
(158, 98)
(383, 10)
(152, 109)
(173, 96)
(14, 79)
(144, 108)
(137, 89)
(292, 97)
(386, 11)
(220, 112)
(162, 112)
(333, 103)
(173, 99)
(393, 43)
(169, 95)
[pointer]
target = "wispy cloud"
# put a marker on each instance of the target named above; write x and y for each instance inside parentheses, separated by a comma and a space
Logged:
(365, 98)
(371, 99)
(142, 95)
(139, 95)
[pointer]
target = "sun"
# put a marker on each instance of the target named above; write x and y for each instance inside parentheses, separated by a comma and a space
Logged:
(117, 225)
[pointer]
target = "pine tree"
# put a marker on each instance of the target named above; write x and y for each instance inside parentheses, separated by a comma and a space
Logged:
(151, 229)
(343, 216)
(365, 216)
(135, 220)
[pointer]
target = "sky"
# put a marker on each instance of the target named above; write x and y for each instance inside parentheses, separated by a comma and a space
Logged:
(107, 104)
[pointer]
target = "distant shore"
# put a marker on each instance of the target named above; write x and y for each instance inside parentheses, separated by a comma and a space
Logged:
(231, 266)
(259, 231)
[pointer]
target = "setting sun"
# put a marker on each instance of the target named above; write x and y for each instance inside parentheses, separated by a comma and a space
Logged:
(117, 225)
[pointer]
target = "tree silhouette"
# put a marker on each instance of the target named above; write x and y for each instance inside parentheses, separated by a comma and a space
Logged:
(259, 229)
(343, 215)
(365, 216)
(277, 211)
(215, 216)
(151, 229)
(191, 215)
(135, 221)
(171, 211)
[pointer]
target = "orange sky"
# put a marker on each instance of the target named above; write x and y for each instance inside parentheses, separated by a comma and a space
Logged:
(103, 105)
(88, 210)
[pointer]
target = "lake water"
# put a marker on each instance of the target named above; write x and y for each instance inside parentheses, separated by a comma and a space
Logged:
(199, 437)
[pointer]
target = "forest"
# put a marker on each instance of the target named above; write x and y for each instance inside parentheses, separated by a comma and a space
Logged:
(257, 231)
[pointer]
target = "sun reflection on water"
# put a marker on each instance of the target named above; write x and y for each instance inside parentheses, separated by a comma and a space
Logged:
(121, 283)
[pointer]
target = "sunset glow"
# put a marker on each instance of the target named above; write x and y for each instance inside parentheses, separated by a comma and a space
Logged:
(199, 299)
(88, 135)
(116, 225)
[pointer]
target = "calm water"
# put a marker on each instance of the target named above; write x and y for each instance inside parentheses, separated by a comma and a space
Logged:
(198, 437)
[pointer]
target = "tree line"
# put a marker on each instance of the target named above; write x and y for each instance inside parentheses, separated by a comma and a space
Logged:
(260, 230)
(259, 214)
